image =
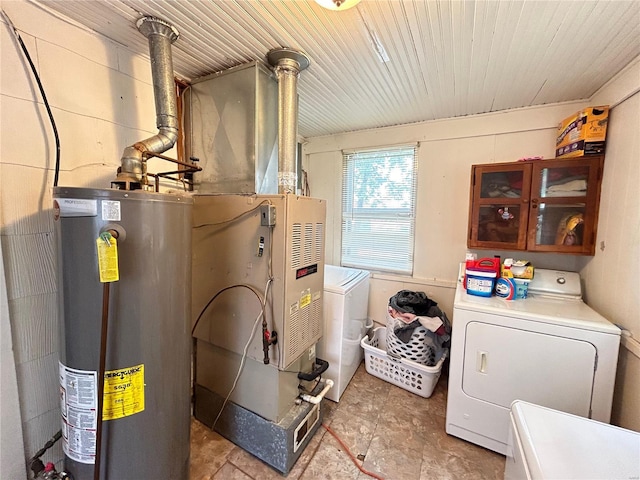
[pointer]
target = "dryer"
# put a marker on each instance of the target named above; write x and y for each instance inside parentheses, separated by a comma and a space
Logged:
(550, 349)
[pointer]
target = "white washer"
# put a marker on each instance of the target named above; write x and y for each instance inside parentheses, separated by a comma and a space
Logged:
(548, 444)
(346, 301)
(549, 349)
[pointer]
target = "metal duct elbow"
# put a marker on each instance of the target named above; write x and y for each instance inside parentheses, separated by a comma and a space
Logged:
(160, 35)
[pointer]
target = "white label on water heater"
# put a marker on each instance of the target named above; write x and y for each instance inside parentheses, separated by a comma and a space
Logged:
(111, 210)
(78, 394)
(76, 207)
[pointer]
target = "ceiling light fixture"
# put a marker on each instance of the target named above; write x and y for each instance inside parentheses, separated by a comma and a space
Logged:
(337, 4)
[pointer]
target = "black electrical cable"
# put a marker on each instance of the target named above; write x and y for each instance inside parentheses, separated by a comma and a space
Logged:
(35, 464)
(309, 391)
(47, 445)
(256, 293)
(44, 97)
(222, 222)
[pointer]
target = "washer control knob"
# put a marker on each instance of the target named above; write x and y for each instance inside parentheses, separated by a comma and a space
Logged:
(561, 280)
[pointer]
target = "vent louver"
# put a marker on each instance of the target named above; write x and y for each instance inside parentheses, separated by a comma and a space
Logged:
(296, 245)
(308, 243)
(319, 251)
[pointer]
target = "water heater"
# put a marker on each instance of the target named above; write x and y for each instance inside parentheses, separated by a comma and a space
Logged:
(146, 401)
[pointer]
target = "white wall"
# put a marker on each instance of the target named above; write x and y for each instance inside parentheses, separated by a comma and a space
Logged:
(102, 100)
(12, 463)
(447, 150)
(611, 276)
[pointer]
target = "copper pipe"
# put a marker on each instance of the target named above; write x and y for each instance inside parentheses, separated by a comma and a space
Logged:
(147, 155)
(102, 367)
(101, 373)
(166, 175)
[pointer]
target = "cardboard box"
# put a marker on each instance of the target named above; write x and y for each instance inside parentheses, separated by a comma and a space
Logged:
(522, 269)
(519, 269)
(583, 133)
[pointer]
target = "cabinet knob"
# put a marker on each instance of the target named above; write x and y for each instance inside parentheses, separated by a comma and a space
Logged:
(525, 200)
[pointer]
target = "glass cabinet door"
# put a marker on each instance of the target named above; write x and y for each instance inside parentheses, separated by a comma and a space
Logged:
(501, 184)
(563, 211)
(560, 225)
(562, 180)
(499, 214)
(499, 223)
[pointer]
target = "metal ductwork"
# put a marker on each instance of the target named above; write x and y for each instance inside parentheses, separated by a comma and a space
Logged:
(287, 65)
(131, 174)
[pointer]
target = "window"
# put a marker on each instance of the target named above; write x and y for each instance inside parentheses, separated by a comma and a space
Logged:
(378, 209)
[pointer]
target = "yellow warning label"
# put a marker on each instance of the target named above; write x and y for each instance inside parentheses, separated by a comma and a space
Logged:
(123, 392)
(107, 258)
(305, 299)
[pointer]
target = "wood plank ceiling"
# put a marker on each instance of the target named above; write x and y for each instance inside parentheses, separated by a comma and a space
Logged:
(390, 62)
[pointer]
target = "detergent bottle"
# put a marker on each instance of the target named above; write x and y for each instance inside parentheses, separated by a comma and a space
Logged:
(480, 276)
(505, 285)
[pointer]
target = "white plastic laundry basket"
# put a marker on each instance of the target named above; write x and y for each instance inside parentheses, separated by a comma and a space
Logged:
(404, 373)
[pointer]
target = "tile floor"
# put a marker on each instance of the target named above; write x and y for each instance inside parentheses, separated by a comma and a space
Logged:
(400, 436)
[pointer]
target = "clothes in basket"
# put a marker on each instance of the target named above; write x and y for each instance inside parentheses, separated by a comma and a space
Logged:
(416, 328)
(404, 373)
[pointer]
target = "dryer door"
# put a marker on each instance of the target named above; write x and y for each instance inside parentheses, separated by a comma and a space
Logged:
(504, 364)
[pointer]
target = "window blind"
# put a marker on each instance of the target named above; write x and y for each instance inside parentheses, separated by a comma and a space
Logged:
(378, 209)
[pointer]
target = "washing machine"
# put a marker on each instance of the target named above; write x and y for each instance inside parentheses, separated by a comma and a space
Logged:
(547, 444)
(550, 349)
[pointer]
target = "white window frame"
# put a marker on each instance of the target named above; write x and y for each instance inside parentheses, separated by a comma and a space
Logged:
(379, 237)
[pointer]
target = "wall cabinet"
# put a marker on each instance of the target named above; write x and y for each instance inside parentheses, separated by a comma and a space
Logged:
(537, 205)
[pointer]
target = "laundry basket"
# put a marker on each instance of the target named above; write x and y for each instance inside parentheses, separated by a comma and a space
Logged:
(404, 373)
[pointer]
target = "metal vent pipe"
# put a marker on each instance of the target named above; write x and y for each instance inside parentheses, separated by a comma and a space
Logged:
(287, 66)
(161, 35)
